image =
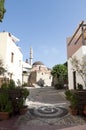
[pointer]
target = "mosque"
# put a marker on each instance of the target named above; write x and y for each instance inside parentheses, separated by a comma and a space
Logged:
(39, 74)
(22, 72)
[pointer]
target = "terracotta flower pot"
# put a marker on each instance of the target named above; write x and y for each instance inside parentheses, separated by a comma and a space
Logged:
(23, 110)
(84, 111)
(4, 115)
(73, 111)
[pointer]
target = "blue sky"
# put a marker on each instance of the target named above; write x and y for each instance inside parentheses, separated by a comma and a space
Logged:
(43, 25)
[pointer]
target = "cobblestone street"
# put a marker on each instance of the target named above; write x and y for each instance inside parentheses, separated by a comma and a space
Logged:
(47, 109)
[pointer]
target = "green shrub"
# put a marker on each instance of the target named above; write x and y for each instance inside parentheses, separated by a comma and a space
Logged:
(73, 101)
(25, 93)
(79, 86)
(70, 96)
(4, 86)
(5, 103)
(23, 97)
(58, 86)
(11, 84)
(25, 84)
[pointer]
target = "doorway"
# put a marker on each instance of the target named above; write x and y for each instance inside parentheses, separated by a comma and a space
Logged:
(74, 79)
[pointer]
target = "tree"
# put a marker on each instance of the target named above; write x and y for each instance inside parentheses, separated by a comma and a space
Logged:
(2, 69)
(80, 67)
(2, 9)
(60, 72)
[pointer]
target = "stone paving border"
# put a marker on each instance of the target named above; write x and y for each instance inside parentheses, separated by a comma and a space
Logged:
(66, 121)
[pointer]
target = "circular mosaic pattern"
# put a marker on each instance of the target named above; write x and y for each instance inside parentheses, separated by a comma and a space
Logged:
(49, 111)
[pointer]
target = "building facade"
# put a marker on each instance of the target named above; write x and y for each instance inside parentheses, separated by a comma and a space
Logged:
(26, 69)
(76, 47)
(40, 74)
(11, 56)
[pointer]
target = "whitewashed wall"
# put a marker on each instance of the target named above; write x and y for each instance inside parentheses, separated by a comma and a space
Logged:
(79, 54)
(8, 46)
(27, 68)
(46, 77)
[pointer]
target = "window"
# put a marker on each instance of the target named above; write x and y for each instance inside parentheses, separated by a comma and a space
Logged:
(12, 57)
(74, 79)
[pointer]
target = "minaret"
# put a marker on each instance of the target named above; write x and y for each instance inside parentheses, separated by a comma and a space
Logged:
(31, 56)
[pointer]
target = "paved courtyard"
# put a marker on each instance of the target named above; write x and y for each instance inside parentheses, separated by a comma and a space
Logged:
(47, 109)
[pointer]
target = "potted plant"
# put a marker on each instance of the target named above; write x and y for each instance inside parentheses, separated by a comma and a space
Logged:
(68, 94)
(13, 92)
(5, 106)
(22, 107)
(73, 105)
(17, 96)
(73, 102)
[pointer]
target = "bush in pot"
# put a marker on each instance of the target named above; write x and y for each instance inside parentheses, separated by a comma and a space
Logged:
(22, 107)
(13, 92)
(73, 102)
(25, 93)
(6, 107)
(17, 95)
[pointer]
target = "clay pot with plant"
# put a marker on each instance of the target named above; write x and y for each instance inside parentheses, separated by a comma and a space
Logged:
(84, 110)
(22, 107)
(73, 102)
(6, 107)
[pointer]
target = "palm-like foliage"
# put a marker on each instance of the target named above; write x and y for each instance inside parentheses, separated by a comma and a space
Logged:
(2, 9)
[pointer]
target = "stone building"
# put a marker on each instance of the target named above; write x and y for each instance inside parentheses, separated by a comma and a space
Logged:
(40, 74)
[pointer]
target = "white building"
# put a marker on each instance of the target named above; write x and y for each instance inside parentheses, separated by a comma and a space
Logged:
(26, 72)
(76, 47)
(26, 68)
(12, 56)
